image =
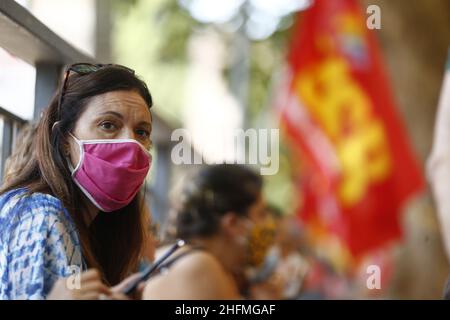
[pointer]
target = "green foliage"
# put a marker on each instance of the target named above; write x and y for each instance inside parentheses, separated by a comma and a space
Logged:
(149, 38)
(152, 36)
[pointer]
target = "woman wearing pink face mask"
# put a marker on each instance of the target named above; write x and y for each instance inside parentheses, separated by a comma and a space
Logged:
(77, 202)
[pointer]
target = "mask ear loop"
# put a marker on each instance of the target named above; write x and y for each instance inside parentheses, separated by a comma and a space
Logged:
(54, 125)
(75, 138)
(81, 155)
(69, 163)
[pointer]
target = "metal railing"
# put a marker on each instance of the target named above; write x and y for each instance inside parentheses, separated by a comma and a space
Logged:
(9, 127)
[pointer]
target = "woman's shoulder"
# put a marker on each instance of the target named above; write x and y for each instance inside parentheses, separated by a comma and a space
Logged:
(21, 196)
(198, 275)
(33, 212)
(21, 201)
(200, 261)
(38, 240)
(192, 260)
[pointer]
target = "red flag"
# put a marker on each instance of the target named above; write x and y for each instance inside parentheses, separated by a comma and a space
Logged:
(358, 168)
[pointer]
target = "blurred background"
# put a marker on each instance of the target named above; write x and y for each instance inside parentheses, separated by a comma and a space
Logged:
(216, 66)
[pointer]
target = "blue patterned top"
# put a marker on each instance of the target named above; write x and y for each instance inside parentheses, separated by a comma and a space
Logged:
(39, 243)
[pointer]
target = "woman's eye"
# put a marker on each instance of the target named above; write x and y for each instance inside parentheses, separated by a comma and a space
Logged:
(107, 125)
(143, 133)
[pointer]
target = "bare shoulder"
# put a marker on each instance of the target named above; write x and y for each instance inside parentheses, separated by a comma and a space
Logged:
(199, 262)
(198, 275)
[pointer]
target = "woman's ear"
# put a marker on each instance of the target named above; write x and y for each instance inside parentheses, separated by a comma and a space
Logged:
(230, 224)
(70, 151)
(66, 148)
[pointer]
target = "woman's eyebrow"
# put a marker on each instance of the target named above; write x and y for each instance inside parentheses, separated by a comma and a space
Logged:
(145, 123)
(117, 114)
(112, 113)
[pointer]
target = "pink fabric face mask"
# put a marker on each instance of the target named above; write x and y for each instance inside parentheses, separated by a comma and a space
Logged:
(110, 172)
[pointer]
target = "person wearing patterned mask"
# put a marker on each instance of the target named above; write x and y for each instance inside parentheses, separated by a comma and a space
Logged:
(219, 212)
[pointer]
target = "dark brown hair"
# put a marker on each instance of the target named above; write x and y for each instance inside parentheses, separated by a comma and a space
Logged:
(113, 242)
(21, 152)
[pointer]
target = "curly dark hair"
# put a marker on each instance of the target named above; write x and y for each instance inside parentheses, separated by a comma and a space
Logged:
(211, 193)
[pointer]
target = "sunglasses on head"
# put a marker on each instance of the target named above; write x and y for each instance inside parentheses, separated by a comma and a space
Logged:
(84, 69)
